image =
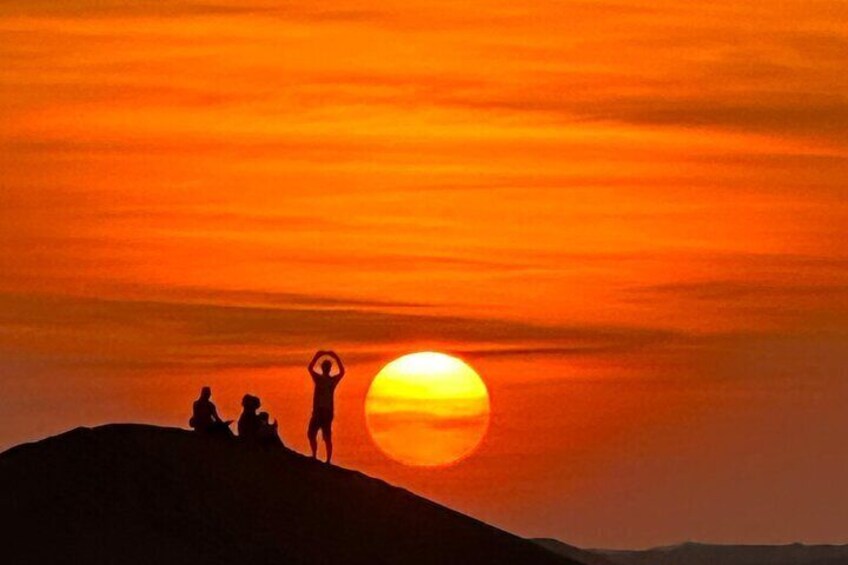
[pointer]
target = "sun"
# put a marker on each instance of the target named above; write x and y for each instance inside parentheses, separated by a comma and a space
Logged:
(427, 409)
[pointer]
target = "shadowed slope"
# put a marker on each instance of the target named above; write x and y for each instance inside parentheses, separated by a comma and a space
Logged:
(140, 494)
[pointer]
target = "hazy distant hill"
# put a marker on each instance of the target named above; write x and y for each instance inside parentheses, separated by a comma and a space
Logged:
(704, 554)
(128, 494)
(580, 555)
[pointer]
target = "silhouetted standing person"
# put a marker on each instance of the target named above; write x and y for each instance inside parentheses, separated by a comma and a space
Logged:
(204, 415)
(248, 424)
(322, 400)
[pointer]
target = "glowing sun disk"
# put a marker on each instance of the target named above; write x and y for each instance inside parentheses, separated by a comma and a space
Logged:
(427, 409)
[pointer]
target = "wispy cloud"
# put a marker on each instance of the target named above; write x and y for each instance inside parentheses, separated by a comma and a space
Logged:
(138, 332)
(89, 8)
(730, 290)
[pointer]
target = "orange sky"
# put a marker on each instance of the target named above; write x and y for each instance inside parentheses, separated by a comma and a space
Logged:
(627, 215)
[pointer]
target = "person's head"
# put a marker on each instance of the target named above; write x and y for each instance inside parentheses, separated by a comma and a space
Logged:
(250, 402)
(263, 417)
(206, 393)
(326, 366)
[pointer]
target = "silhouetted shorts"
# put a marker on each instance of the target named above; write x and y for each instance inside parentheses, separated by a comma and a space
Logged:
(322, 419)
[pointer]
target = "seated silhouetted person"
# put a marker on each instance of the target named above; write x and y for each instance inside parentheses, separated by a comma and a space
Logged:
(204, 417)
(248, 424)
(268, 433)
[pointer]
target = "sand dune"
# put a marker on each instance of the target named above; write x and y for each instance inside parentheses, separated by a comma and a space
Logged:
(133, 494)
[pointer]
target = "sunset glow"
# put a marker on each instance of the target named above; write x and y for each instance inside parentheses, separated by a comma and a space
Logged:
(628, 215)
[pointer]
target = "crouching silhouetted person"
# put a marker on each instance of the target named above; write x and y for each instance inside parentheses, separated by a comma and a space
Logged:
(268, 433)
(204, 417)
(248, 424)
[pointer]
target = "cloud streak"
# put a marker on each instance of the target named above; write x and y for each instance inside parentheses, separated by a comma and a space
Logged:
(156, 333)
(124, 8)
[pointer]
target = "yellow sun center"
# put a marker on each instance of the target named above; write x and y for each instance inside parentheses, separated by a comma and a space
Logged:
(427, 409)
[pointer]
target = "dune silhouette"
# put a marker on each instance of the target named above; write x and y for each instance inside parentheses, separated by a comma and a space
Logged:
(134, 494)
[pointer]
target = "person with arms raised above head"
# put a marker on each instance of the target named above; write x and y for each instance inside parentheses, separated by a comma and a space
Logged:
(322, 400)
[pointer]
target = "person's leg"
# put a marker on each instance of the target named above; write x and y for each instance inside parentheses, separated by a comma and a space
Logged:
(327, 432)
(312, 434)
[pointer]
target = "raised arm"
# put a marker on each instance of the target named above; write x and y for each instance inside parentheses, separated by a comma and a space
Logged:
(314, 362)
(338, 361)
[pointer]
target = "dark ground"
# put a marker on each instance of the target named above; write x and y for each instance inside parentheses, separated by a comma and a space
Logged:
(132, 494)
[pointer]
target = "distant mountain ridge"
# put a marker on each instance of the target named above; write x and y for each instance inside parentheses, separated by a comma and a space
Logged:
(706, 554)
(584, 556)
(132, 495)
